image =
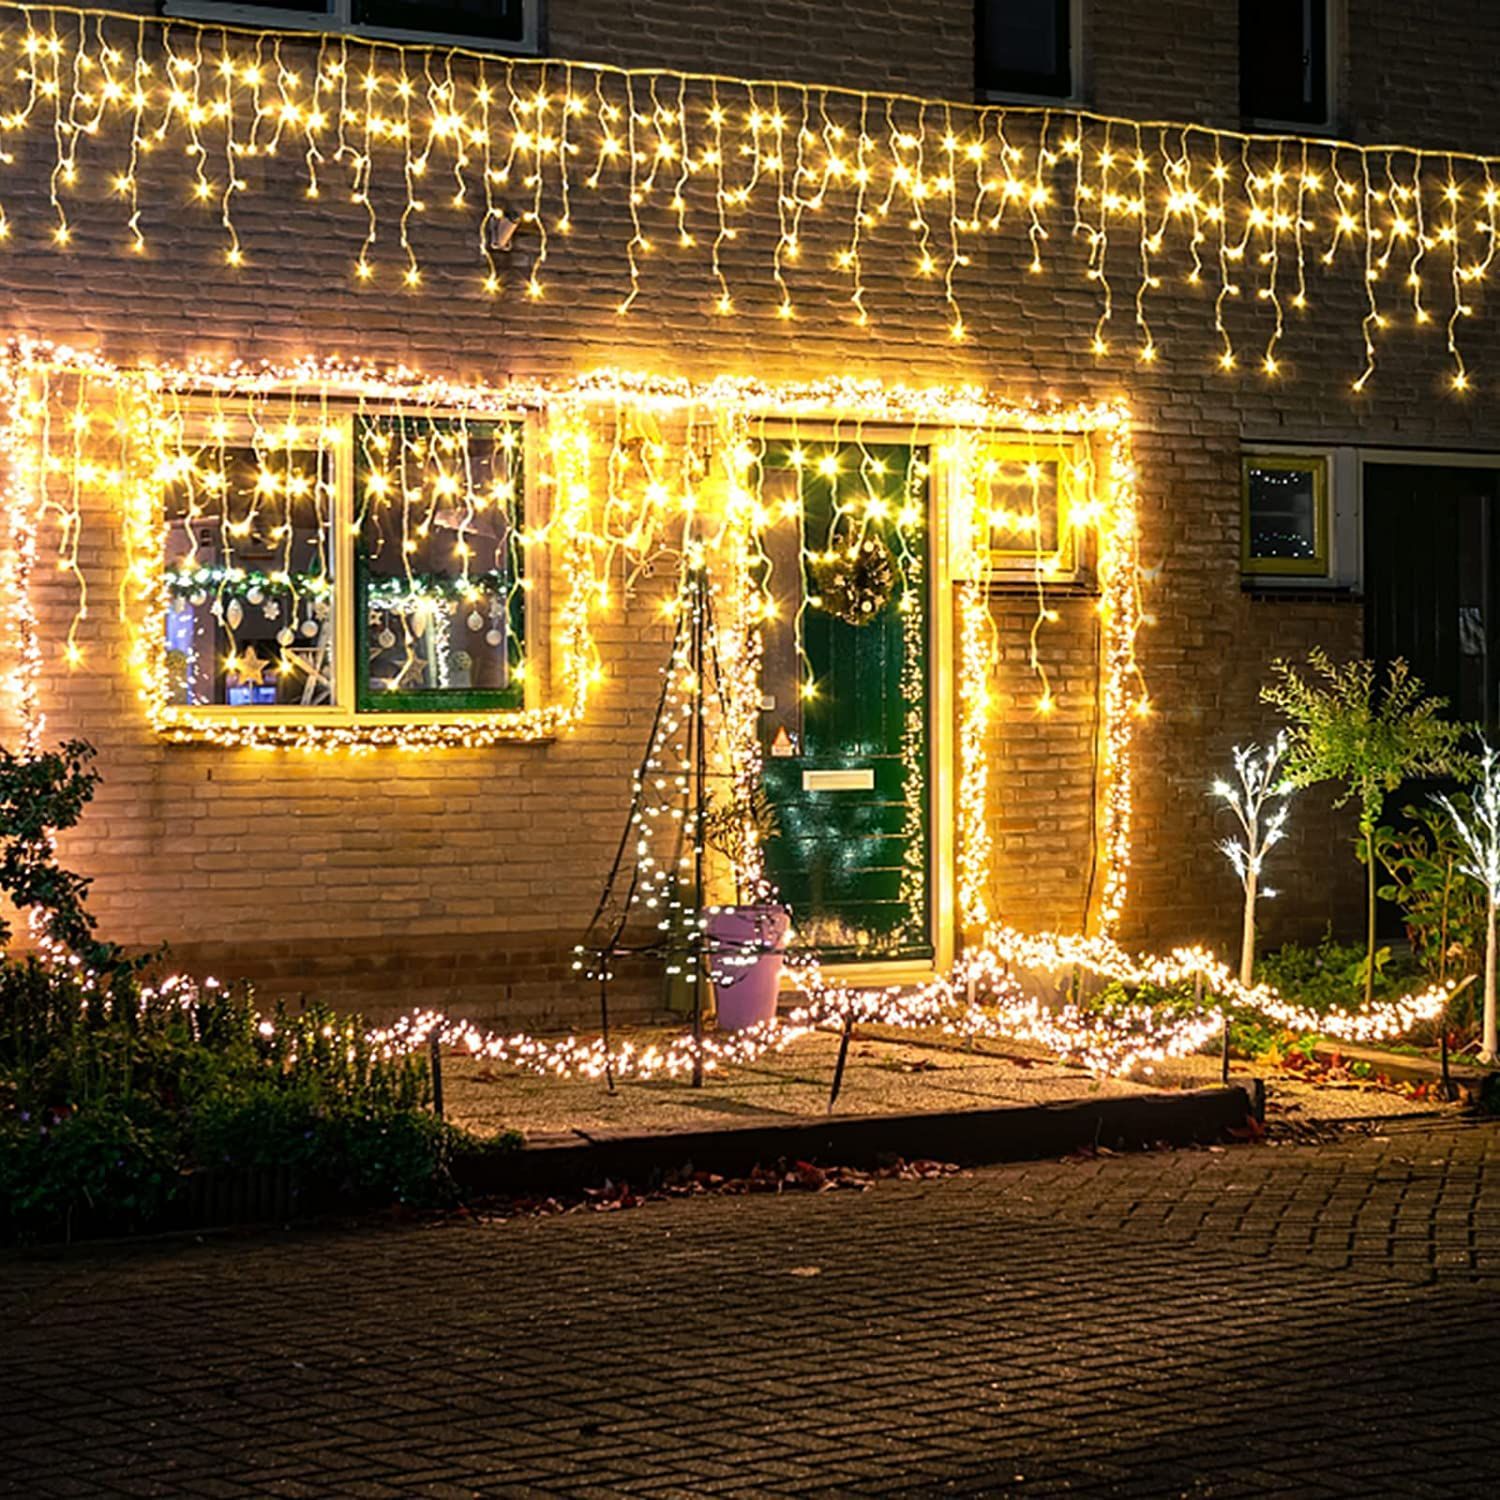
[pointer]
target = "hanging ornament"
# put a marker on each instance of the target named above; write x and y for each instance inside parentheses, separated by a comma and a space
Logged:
(476, 621)
(493, 637)
(419, 621)
(255, 595)
(855, 583)
(309, 628)
(285, 636)
(271, 610)
(234, 616)
(386, 639)
(197, 598)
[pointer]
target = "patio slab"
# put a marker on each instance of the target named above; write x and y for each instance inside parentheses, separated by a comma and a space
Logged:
(888, 1073)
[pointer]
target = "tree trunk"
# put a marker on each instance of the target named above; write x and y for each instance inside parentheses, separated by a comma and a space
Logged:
(1247, 933)
(1488, 1046)
(1370, 915)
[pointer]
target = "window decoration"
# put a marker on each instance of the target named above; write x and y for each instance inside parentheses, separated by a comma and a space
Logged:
(1285, 523)
(659, 172)
(1025, 47)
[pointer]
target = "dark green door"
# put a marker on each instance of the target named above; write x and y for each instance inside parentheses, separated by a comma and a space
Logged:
(845, 713)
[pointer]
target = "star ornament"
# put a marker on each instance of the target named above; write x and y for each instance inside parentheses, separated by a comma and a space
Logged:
(251, 670)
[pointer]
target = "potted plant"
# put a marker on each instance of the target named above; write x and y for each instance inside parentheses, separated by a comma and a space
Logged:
(746, 941)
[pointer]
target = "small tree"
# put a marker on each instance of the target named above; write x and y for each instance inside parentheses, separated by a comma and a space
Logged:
(40, 794)
(1259, 802)
(1479, 831)
(1372, 738)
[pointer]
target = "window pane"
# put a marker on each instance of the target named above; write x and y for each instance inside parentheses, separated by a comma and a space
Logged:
(1020, 498)
(1023, 46)
(249, 577)
(500, 20)
(1283, 504)
(441, 587)
(1284, 60)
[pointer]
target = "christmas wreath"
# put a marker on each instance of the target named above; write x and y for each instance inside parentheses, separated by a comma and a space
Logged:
(855, 583)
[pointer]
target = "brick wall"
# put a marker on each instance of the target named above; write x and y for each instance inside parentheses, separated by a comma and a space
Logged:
(486, 863)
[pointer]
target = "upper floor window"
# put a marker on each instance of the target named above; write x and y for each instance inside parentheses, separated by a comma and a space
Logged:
(1284, 61)
(512, 25)
(1026, 47)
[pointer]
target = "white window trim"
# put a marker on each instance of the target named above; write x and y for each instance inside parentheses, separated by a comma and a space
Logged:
(344, 712)
(1345, 545)
(1333, 38)
(336, 21)
(1075, 94)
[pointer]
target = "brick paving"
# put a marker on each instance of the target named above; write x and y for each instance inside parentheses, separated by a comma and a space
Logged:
(1264, 1320)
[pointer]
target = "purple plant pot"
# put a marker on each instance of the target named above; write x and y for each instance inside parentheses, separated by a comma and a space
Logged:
(744, 961)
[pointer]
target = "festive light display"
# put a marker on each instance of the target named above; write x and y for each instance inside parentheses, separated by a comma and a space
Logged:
(664, 166)
(1479, 832)
(1263, 827)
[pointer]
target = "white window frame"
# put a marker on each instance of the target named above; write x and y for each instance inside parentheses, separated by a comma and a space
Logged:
(1341, 518)
(1075, 94)
(344, 712)
(337, 21)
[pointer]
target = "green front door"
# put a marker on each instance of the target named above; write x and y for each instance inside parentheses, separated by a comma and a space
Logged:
(845, 709)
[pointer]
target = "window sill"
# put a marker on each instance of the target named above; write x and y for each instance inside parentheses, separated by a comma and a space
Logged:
(1270, 590)
(319, 23)
(300, 730)
(1033, 101)
(1081, 586)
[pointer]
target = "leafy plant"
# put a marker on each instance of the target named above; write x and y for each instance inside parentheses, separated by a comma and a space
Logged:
(1346, 726)
(1330, 975)
(1442, 908)
(39, 795)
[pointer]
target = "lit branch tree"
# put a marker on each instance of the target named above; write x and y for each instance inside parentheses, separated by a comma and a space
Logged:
(1344, 728)
(1259, 802)
(1479, 833)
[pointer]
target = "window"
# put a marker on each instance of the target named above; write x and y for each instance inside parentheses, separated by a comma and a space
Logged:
(513, 25)
(250, 576)
(1285, 522)
(1025, 47)
(358, 565)
(440, 614)
(1027, 508)
(1284, 56)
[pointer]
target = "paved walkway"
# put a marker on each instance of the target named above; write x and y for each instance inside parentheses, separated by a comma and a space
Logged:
(1291, 1320)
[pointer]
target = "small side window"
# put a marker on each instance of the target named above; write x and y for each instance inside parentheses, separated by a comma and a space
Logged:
(1025, 47)
(1028, 511)
(1285, 521)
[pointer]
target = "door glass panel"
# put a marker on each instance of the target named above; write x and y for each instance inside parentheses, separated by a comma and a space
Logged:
(845, 714)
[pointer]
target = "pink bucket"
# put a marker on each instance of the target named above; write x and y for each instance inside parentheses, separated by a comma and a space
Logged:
(744, 960)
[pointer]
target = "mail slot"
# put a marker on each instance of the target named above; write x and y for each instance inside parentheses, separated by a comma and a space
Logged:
(839, 781)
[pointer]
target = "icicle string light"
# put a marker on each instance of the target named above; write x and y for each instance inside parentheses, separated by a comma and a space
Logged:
(695, 168)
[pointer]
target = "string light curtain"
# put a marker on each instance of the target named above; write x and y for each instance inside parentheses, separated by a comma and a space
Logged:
(867, 187)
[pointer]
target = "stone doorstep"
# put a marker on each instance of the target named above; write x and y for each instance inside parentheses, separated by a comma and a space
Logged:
(971, 1137)
(1468, 1077)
